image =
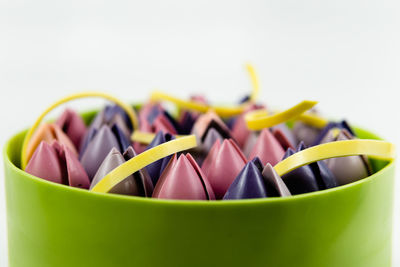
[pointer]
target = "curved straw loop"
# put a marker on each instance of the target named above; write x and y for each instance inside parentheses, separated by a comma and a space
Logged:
(142, 137)
(146, 138)
(142, 160)
(374, 148)
(223, 111)
(129, 110)
(313, 120)
(259, 119)
(196, 106)
(254, 81)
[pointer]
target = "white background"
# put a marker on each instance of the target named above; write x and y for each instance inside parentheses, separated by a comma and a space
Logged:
(344, 53)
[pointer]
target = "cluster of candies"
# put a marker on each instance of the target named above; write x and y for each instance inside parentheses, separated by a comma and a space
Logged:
(230, 161)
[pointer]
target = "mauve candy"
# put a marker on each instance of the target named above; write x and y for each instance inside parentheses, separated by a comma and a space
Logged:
(49, 132)
(156, 168)
(72, 125)
(274, 183)
(300, 180)
(72, 169)
(250, 143)
(305, 133)
(267, 148)
(97, 150)
(248, 184)
(161, 123)
(283, 129)
(210, 138)
(129, 186)
(222, 165)
(348, 169)
(282, 139)
(183, 179)
(240, 131)
(57, 163)
(45, 164)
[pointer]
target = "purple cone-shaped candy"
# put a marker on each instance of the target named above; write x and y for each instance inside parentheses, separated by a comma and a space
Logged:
(137, 184)
(91, 132)
(186, 122)
(156, 168)
(322, 173)
(110, 116)
(248, 184)
(111, 112)
(300, 180)
(305, 133)
(97, 150)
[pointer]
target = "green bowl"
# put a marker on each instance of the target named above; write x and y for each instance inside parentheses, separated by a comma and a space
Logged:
(55, 225)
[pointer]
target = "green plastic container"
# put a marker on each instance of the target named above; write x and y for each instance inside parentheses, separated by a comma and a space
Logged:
(52, 225)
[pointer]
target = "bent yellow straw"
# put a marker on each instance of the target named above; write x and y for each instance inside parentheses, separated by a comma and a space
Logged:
(374, 148)
(146, 138)
(259, 119)
(196, 106)
(223, 111)
(142, 160)
(254, 81)
(129, 110)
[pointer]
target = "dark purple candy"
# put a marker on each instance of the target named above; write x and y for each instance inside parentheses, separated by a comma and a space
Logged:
(244, 99)
(325, 178)
(322, 173)
(156, 168)
(301, 180)
(231, 122)
(186, 123)
(123, 140)
(111, 111)
(248, 184)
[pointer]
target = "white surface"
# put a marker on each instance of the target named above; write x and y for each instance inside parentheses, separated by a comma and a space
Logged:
(344, 53)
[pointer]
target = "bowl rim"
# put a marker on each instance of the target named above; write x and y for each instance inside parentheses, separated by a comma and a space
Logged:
(175, 202)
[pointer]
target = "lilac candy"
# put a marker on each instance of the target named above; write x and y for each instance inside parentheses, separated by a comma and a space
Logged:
(137, 184)
(97, 149)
